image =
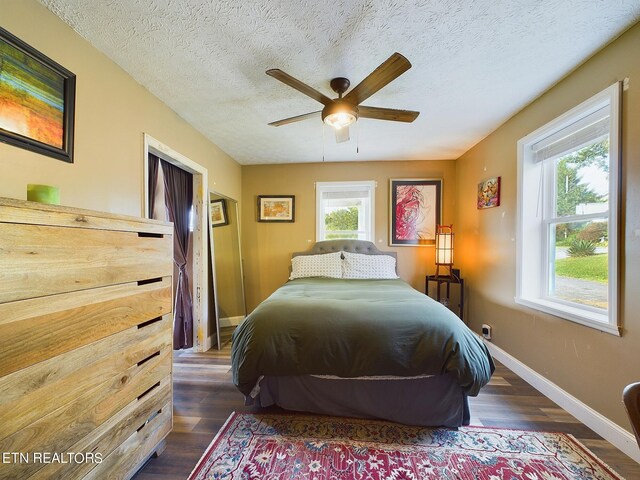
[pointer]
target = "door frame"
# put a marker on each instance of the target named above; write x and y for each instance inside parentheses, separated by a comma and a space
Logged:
(200, 291)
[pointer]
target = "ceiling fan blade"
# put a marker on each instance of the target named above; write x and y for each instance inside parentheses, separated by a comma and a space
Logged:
(298, 85)
(387, 114)
(342, 134)
(297, 118)
(388, 71)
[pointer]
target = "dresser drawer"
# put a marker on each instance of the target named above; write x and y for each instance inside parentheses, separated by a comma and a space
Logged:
(36, 329)
(38, 260)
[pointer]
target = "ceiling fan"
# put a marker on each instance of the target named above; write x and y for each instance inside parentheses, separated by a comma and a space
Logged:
(341, 112)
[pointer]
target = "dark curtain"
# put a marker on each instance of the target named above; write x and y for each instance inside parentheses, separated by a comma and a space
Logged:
(153, 181)
(178, 197)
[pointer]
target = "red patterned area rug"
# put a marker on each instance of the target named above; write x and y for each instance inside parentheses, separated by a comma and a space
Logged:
(270, 447)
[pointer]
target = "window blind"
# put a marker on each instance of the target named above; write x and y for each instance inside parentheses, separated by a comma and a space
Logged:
(586, 130)
(329, 195)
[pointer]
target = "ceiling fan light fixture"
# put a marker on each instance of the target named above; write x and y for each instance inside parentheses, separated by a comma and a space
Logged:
(339, 115)
(339, 120)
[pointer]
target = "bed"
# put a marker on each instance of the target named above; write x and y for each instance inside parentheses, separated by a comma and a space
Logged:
(358, 346)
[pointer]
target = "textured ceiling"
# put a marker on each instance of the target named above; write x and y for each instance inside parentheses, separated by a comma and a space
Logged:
(475, 64)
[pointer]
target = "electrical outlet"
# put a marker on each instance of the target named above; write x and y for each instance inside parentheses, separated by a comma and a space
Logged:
(486, 331)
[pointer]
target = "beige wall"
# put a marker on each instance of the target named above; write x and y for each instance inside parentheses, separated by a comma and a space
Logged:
(592, 366)
(267, 247)
(112, 113)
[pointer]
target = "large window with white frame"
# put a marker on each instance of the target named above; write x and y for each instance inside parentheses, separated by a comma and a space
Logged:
(345, 210)
(568, 189)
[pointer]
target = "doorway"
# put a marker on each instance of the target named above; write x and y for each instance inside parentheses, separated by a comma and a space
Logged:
(202, 340)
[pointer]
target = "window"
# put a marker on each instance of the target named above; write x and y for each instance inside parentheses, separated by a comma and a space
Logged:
(345, 210)
(568, 214)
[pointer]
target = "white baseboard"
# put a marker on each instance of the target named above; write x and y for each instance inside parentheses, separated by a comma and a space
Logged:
(231, 321)
(612, 432)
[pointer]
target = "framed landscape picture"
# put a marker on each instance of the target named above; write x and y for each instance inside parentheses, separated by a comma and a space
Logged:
(415, 210)
(489, 193)
(37, 100)
(276, 208)
(218, 209)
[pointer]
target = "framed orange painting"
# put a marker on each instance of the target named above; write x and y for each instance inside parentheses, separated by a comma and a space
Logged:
(37, 100)
(276, 208)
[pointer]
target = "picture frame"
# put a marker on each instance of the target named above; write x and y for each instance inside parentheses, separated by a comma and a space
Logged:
(276, 208)
(218, 213)
(37, 100)
(415, 208)
(488, 193)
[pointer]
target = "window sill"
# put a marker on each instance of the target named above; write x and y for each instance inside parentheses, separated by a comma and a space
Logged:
(595, 320)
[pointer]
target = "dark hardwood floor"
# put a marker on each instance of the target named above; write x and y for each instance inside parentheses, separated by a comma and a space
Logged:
(204, 397)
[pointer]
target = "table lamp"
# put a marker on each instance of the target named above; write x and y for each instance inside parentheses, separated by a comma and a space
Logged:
(444, 248)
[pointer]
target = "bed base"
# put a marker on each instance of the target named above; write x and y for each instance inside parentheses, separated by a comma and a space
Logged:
(426, 401)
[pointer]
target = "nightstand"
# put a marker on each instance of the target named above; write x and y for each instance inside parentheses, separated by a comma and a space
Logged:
(444, 296)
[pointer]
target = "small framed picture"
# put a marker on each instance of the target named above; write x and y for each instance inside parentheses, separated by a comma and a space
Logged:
(276, 208)
(218, 212)
(489, 193)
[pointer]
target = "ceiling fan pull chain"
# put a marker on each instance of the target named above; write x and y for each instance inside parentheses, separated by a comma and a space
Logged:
(357, 139)
(323, 142)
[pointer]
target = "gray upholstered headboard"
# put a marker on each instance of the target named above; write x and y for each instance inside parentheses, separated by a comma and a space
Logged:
(344, 245)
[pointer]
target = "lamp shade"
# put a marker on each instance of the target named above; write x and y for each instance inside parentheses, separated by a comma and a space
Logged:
(444, 245)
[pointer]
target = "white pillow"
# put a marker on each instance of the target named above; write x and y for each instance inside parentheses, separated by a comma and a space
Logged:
(358, 265)
(323, 265)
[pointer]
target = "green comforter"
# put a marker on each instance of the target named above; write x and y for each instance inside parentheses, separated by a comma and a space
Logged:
(354, 328)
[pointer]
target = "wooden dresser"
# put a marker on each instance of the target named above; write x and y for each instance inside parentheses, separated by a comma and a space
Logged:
(85, 342)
